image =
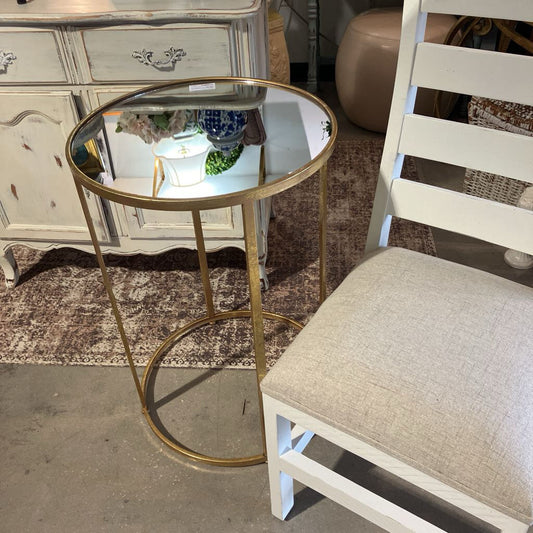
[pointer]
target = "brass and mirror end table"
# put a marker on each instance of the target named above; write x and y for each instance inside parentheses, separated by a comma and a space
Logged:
(151, 149)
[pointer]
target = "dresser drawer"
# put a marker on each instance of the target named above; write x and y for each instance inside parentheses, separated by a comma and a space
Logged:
(31, 57)
(141, 53)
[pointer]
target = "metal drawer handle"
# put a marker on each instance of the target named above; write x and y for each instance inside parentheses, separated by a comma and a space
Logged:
(6, 58)
(172, 56)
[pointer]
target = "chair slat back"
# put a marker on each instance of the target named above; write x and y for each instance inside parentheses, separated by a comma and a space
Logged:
(500, 224)
(496, 9)
(476, 72)
(495, 151)
(471, 71)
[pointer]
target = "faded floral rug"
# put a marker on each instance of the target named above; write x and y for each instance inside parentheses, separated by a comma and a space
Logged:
(59, 312)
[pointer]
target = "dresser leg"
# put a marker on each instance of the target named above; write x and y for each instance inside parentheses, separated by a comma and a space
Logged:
(10, 268)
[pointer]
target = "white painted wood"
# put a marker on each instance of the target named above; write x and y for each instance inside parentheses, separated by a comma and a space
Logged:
(62, 51)
(106, 12)
(452, 149)
(520, 9)
(352, 496)
(300, 438)
(444, 140)
(506, 225)
(487, 220)
(142, 223)
(474, 72)
(413, 29)
(9, 266)
(38, 199)
(37, 56)
(109, 52)
(102, 95)
(275, 408)
(278, 440)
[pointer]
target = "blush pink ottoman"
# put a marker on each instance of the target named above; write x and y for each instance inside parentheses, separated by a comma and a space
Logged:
(365, 65)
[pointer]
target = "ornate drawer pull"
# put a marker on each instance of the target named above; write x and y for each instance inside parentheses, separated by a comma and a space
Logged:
(172, 55)
(25, 114)
(6, 58)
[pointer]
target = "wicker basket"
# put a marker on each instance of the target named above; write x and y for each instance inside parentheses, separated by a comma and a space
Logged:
(498, 115)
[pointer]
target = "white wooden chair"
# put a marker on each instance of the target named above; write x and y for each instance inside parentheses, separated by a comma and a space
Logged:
(419, 365)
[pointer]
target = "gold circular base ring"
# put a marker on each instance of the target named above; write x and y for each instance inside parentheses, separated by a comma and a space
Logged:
(172, 339)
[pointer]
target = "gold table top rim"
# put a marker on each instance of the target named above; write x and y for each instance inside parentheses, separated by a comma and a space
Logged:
(207, 202)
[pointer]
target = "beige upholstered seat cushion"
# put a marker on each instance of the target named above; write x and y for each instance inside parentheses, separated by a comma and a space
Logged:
(429, 361)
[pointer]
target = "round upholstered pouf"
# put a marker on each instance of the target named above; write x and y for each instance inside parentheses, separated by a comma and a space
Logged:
(365, 65)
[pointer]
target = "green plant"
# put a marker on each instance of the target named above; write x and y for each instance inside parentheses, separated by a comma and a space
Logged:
(217, 162)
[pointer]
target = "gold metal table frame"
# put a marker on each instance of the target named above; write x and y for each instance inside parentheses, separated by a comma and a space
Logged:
(247, 199)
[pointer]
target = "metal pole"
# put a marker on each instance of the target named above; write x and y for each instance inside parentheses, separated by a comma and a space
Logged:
(256, 306)
(202, 258)
(109, 289)
(322, 221)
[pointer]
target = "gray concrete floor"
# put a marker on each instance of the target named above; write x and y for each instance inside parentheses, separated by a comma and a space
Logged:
(78, 455)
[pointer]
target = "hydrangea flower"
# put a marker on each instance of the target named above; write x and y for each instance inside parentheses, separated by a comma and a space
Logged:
(153, 128)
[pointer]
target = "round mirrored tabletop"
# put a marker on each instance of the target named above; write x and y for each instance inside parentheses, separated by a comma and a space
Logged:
(197, 129)
(196, 145)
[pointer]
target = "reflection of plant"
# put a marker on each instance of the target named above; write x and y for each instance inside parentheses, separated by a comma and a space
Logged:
(217, 162)
(326, 128)
(153, 128)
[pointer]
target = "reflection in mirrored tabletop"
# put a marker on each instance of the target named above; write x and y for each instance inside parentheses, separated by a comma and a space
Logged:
(199, 140)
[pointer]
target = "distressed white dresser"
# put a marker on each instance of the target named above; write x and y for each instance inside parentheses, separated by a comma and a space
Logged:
(58, 60)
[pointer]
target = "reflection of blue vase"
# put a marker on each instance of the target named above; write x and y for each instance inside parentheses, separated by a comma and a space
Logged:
(224, 128)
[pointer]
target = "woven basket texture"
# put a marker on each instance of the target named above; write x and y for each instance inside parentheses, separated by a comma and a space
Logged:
(499, 115)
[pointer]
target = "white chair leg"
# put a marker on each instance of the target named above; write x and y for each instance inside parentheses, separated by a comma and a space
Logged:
(300, 438)
(278, 431)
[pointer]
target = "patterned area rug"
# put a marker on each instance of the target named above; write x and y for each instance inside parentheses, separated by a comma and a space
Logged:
(59, 312)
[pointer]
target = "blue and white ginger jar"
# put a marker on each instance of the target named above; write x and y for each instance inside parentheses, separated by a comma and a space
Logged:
(224, 128)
